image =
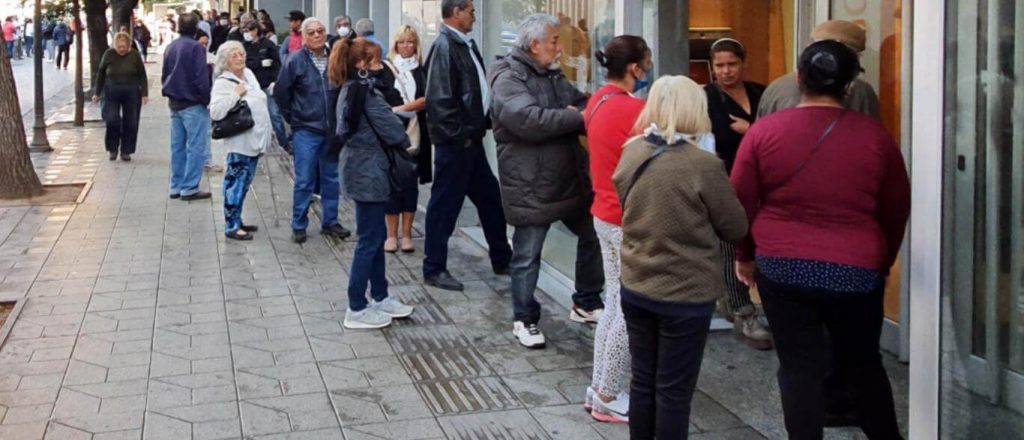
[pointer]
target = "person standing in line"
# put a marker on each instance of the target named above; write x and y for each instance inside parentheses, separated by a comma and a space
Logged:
(784, 92)
(822, 171)
(366, 127)
(48, 28)
(306, 99)
(236, 33)
(732, 107)
(30, 37)
(203, 24)
(365, 28)
(342, 30)
(236, 83)
(269, 30)
(122, 82)
(220, 32)
(293, 42)
(186, 84)
(10, 31)
(610, 120)
(406, 83)
(457, 101)
(263, 59)
(671, 265)
(19, 40)
(544, 172)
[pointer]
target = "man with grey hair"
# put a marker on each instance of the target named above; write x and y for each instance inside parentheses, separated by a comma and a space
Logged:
(186, 84)
(243, 22)
(544, 171)
(307, 102)
(457, 101)
(364, 28)
(342, 29)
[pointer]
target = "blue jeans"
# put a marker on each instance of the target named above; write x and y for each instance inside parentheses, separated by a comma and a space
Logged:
(190, 144)
(459, 172)
(311, 162)
(238, 176)
(276, 120)
(10, 49)
(368, 261)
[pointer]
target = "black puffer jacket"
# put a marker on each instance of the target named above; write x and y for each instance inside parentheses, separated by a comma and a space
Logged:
(542, 167)
(455, 112)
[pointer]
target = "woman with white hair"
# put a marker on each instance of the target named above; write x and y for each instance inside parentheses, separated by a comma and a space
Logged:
(122, 83)
(235, 84)
(677, 203)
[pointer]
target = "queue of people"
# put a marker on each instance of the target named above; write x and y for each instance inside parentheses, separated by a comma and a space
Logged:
(746, 168)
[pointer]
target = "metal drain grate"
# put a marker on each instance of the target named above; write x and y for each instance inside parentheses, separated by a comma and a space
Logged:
(415, 339)
(468, 395)
(445, 364)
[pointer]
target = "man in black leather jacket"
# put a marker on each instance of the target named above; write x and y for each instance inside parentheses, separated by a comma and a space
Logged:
(457, 96)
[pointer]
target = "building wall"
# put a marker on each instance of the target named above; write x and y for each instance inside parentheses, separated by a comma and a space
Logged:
(278, 10)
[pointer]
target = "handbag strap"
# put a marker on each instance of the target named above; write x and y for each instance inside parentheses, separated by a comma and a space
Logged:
(604, 99)
(800, 166)
(641, 169)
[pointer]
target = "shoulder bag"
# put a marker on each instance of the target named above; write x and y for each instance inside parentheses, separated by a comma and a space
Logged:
(413, 128)
(402, 166)
(238, 120)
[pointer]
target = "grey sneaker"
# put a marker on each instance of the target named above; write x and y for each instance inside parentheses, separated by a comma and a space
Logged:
(392, 307)
(368, 318)
(749, 330)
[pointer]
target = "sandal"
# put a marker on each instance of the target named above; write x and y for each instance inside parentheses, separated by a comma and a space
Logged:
(391, 245)
(407, 245)
(238, 235)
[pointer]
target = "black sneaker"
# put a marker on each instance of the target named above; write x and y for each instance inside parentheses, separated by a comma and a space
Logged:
(445, 281)
(113, 156)
(126, 157)
(501, 270)
(298, 236)
(197, 196)
(336, 230)
(175, 196)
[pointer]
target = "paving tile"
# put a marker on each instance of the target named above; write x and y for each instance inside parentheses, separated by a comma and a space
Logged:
(420, 429)
(362, 373)
(380, 404)
(275, 415)
(505, 425)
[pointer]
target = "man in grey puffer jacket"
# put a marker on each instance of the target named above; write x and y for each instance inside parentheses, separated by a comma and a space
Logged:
(543, 170)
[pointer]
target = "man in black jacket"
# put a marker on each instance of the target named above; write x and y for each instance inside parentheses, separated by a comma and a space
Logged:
(263, 60)
(457, 99)
(220, 31)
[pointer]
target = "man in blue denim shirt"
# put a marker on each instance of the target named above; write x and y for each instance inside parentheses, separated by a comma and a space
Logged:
(186, 83)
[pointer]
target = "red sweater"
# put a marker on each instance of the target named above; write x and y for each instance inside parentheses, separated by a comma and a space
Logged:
(607, 132)
(850, 202)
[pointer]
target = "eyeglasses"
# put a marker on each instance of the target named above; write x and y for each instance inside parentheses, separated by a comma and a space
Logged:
(320, 31)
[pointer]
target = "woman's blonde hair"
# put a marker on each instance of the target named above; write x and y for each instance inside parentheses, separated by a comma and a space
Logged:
(405, 31)
(676, 105)
(123, 36)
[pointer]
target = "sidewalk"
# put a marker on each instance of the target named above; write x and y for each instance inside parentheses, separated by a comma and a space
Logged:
(140, 321)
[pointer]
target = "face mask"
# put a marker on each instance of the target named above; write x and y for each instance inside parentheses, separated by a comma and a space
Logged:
(343, 31)
(643, 83)
(223, 22)
(248, 37)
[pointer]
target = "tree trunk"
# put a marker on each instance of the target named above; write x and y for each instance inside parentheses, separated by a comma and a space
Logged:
(96, 21)
(121, 11)
(18, 178)
(79, 83)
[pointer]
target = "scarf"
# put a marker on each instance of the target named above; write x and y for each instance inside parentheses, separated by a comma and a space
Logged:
(404, 81)
(705, 141)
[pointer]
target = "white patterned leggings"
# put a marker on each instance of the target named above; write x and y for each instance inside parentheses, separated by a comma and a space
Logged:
(611, 342)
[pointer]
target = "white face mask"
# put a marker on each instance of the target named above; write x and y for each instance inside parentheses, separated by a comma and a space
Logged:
(223, 22)
(248, 37)
(343, 31)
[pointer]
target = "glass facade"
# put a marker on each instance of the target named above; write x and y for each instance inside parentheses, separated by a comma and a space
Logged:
(982, 340)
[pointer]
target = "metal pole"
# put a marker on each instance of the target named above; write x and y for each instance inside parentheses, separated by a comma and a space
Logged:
(40, 143)
(993, 195)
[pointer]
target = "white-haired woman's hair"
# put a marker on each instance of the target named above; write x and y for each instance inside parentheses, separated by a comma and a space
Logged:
(534, 28)
(309, 21)
(224, 54)
(676, 105)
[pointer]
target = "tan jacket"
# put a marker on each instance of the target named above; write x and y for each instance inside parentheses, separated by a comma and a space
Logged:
(672, 222)
(784, 93)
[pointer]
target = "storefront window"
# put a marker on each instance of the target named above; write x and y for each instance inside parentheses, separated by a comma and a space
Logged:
(757, 25)
(982, 363)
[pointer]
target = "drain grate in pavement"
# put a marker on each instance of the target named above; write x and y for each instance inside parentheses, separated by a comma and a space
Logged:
(411, 294)
(468, 395)
(414, 339)
(426, 314)
(9, 311)
(512, 425)
(5, 311)
(446, 364)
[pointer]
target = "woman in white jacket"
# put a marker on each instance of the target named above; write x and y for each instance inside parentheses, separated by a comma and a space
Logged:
(234, 83)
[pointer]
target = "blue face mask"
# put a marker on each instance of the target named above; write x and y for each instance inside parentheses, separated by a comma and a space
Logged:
(643, 83)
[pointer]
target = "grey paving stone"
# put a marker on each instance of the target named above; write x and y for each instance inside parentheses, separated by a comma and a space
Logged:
(380, 404)
(105, 423)
(549, 388)
(362, 373)
(505, 425)
(275, 415)
(27, 414)
(413, 339)
(420, 429)
(570, 422)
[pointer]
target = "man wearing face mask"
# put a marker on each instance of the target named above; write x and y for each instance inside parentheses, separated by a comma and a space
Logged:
(262, 58)
(220, 32)
(236, 33)
(342, 29)
(544, 171)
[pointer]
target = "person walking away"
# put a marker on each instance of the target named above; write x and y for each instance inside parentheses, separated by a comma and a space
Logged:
(186, 84)
(144, 38)
(365, 28)
(30, 37)
(543, 171)
(671, 267)
(610, 121)
(122, 82)
(48, 28)
(457, 101)
(9, 34)
(366, 129)
(822, 171)
(263, 59)
(732, 107)
(306, 99)
(407, 80)
(784, 92)
(236, 83)
(63, 38)
(19, 43)
(293, 42)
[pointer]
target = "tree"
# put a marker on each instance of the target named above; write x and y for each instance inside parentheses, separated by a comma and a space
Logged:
(79, 83)
(96, 23)
(122, 11)
(18, 178)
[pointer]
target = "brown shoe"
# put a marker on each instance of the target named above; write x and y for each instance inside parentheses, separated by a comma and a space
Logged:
(749, 330)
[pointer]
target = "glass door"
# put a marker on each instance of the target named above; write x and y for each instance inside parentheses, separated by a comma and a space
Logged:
(982, 309)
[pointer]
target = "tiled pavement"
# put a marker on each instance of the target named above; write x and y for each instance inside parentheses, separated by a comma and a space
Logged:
(140, 321)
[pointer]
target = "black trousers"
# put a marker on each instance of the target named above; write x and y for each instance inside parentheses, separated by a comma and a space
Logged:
(800, 317)
(666, 355)
(63, 55)
(121, 107)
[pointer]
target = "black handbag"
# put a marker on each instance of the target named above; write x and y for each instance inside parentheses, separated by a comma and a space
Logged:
(238, 120)
(402, 165)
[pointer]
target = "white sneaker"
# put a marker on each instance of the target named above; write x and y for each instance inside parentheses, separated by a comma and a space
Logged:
(392, 307)
(588, 404)
(616, 411)
(584, 317)
(368, 318)
(528, 335)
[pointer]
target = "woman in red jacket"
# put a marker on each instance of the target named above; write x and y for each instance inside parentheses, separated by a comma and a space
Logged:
(611, 115)
(827, 195)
